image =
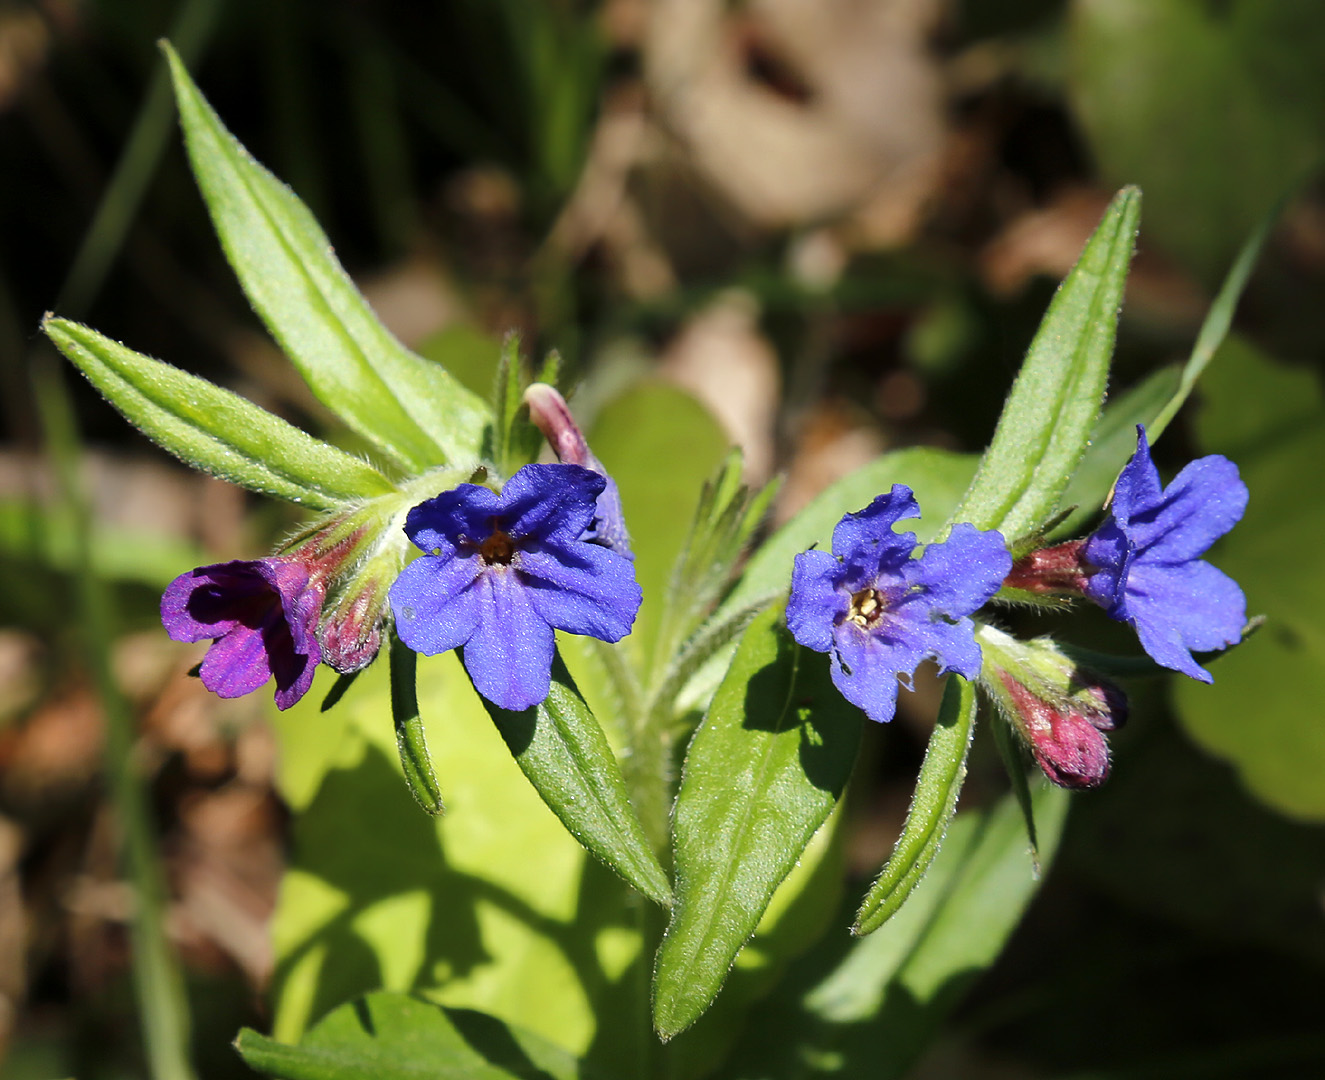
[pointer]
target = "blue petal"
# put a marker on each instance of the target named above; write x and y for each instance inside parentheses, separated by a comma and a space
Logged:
(437, 524)
(510, 655)
(581, 588)
(1178, 609)
(816, 604)
(866, 543)
(1109, 549)
(545, 501)
(435, 603)
(865, 670)
(1137, 487)
(951, 643)
(1204, 501)
(963, 572)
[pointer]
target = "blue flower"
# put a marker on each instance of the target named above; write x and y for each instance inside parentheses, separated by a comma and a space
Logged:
(1144, 562)
(501, 572)
(879, 612)
(262, 616)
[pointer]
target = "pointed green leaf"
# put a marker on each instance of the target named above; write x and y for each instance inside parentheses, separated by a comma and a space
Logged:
(410, 738)
(410, 408)
(392, 1036)
(564, 753)
(213, 429)
(1046, 424)
(764, 770)
(932, 807)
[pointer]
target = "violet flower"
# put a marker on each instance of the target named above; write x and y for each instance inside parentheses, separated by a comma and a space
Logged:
(879, 612)
(551, 415)
(262, 616)
(1143, 564)
(501, 572)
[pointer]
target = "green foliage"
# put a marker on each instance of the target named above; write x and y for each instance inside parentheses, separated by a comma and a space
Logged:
(1046, 424)
(565, 755)
(213, 429)
(1212, 108)
(410, 409)
(762, 773)
(1270, 419)
(866, 1008)
(411, 742)
(932, 808)
(397, 1037)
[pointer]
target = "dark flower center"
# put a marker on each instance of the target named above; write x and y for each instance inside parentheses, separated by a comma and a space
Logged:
(497, 548)
(867, 607)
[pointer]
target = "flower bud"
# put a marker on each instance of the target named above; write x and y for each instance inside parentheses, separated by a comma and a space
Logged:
(551, 415)
(351, 632)
(1060, 709)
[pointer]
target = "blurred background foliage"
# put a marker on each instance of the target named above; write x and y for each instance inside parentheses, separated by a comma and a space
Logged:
(833, 223)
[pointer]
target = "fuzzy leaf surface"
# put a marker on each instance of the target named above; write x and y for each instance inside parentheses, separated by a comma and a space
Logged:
(1045, 426)
(763, 772)
(411, 409)
(213, 429)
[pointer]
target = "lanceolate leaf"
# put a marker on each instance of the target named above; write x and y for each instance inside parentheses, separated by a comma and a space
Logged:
(410, 740)
(391, 1036)
(213, 429)
(1046, 424)
(932, 807)
(763, 771)
(410, 408)
(564, 753)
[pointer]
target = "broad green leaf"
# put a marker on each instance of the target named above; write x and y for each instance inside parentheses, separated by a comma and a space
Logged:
(937, 477)
(1046, 424)
(1111, 443)
(564, 753)
(391, 1036)
(1270, 420)
(1211, 108)
(660, 445)
(213, 429)
(411, 742)
(871, 1013)
(763, 772)
(932, 807)
(411, 409)
(490, 906)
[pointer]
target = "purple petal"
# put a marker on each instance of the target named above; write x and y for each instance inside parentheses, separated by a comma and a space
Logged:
(815, 605)
(438, 524)
(436, 602)
(543, 501)
(865, 670)
(1109, 549)
(210, 600)
(962, 573)
(509, 657)
(1180, 609)
(866, 543)
(1137, 487)
(236, 664)
(581, 588)
(1204, 501)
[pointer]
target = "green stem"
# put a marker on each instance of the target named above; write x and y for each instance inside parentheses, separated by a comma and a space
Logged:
(158, 983)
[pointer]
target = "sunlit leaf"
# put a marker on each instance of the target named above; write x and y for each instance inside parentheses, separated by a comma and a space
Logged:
(216, 430)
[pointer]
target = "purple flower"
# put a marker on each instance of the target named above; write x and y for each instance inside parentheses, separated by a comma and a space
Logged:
(262, 616)
(880, 612)
(501, 572)
(1144, 562)
(549, 412)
